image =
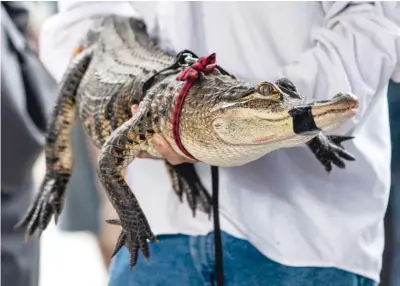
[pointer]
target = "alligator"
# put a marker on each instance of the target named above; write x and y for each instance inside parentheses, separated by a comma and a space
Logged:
(205, 113)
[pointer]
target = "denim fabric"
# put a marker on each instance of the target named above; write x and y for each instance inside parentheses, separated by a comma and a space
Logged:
(180, 260)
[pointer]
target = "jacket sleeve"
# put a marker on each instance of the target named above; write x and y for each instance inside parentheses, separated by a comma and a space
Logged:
(61, 33)
(356, 50)
(22, 141)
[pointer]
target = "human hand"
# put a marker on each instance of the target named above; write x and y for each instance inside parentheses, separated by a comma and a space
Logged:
(163, 147)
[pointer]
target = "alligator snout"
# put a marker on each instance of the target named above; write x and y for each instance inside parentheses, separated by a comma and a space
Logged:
(323, 115)
(343, 106)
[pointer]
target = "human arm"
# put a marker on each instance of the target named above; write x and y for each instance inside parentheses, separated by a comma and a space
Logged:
(356, 50)
(61, 33)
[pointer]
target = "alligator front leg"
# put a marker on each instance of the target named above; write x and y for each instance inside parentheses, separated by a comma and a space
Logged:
(328, 150)
(117, 153)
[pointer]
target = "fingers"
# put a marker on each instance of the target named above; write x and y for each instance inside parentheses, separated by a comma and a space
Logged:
(134, 109)
(163, 147)
(145, 155)
(166, 151)
(123, 173)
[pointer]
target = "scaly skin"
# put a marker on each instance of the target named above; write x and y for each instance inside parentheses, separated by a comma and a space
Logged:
(225, 121)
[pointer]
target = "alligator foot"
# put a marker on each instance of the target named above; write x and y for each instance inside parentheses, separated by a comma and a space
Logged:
(328, 150)
(48, 202)
(134, 235)
(185, 180)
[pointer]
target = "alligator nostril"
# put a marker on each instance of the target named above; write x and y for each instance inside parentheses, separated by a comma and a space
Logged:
(339, 95)
(347, 96)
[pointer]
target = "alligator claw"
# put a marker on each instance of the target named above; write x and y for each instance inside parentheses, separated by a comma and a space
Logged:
(329, 150)
(48, 202)
(113, 221)
(134, 235)
(185, 180)
(339, 139)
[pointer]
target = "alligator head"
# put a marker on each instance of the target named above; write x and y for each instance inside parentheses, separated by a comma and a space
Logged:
(239, 123)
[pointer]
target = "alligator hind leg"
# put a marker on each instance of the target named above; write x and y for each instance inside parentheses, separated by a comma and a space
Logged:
(59, 161)
(329, 150)
(185, 180)
(118, 151)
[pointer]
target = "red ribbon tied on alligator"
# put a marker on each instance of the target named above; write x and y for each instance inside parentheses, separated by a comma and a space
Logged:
(204, 64)
(189, 76)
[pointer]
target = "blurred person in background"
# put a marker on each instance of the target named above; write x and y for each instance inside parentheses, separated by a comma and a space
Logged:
(284, 220)
(85, 201)
(39, 11)
(27, 94)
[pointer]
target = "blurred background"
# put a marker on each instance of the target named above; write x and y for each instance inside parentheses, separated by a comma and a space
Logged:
(70, 250)
(66, 257)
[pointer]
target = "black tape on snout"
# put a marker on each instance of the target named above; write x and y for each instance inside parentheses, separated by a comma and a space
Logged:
(303, 120)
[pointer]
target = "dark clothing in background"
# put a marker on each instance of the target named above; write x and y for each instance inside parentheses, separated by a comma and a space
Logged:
(391, 257)
(24, 110)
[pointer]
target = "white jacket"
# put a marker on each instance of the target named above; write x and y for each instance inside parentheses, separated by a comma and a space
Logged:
(284, 204)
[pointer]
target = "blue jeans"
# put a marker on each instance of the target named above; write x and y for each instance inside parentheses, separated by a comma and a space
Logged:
(180, 260)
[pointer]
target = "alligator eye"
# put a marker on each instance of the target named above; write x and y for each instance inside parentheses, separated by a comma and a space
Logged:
(268, 89)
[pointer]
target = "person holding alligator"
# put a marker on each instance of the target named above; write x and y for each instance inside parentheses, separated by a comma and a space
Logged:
(283, 222)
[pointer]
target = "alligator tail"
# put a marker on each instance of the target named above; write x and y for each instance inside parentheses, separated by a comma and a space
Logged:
(59, 160)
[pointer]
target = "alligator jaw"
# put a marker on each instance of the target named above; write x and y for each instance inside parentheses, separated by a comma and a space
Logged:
(342, 107)
(323, 115)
